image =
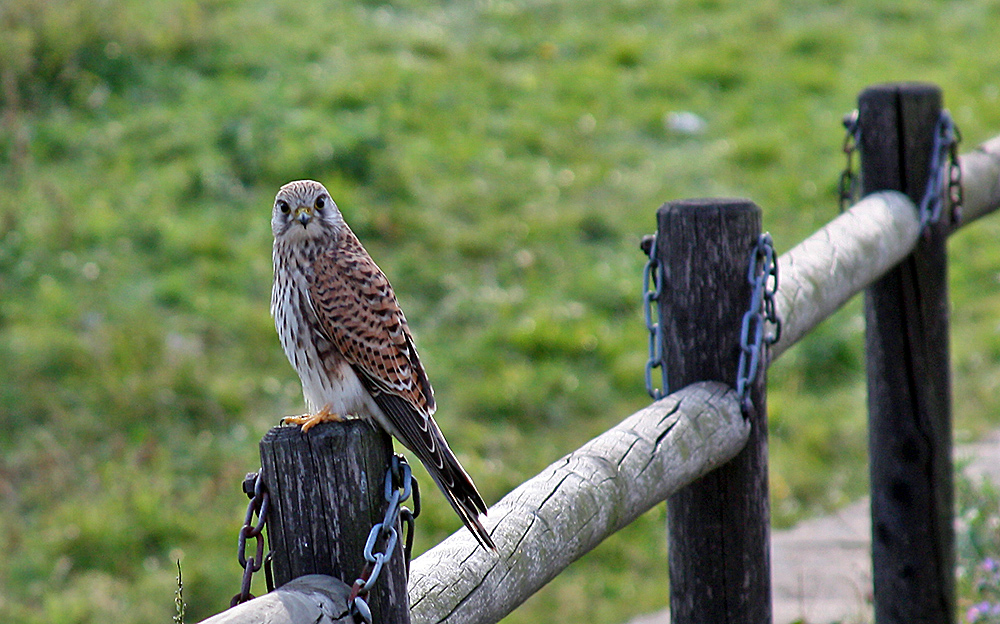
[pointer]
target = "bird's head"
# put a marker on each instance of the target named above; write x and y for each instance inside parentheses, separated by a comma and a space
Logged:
(304, 209)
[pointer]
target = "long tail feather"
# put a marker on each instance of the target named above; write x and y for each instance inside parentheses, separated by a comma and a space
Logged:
(466, 501)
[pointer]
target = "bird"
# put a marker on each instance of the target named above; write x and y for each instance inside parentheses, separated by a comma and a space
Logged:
(342, 329)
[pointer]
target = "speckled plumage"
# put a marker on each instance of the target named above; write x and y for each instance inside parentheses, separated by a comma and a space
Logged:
(345, 335)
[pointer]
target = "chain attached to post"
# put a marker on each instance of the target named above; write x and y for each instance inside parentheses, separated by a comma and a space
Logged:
(945, 179)
(956, 194)
(652, 277)
(399, 484)
(763, 277)
(254, 488)
(408, 518)
(848, 179)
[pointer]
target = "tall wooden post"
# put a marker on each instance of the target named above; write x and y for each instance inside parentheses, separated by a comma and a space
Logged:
(719, 525)
(327, 490)
(909, 383)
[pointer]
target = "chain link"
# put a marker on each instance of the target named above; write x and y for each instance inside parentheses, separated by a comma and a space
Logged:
(945, 179)
(848, 179)
(260, 503)
(762, 274)
(652, 277)
(407, 519)
(956, 194)
(944, 182)
(399, 485)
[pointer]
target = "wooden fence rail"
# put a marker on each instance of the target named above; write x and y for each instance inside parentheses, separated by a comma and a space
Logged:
(820, 274)
(569, 508)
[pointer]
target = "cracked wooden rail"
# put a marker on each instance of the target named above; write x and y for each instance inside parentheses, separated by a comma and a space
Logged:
(570, 507)
(314, 598)
(824, 271)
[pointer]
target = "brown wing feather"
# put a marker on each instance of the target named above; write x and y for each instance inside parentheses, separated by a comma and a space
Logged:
(359, 313)
(357, 307)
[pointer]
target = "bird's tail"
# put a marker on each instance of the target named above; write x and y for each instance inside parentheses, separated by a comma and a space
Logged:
(419, 433)
(461, 492)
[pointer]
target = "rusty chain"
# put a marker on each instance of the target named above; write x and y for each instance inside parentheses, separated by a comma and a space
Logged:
(399, 487)
(260, 503)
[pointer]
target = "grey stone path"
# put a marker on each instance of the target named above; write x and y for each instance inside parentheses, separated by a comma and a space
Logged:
(821, 568)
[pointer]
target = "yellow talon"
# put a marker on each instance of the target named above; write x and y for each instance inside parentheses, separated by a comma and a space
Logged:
(308, 421)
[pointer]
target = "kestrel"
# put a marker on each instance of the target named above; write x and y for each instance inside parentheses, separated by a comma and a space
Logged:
(345, 335)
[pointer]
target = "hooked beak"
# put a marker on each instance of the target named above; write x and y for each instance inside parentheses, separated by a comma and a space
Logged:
(303, 214)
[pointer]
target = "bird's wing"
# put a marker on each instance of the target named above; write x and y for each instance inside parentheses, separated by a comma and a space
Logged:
(357, 309)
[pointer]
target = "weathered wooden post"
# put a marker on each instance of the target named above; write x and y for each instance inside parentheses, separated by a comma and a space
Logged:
(719, 525)
(909, 387)
(327, 490)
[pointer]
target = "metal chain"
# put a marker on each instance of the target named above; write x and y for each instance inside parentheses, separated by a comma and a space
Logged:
(763, 277)
(260, 503)
(848, 179)
(652, 277)
(399, 484)
(956, 194)
(408, 517)
(944, 182)
(945, 174)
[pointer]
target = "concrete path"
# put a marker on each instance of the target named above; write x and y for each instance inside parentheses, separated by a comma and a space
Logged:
(821, 568)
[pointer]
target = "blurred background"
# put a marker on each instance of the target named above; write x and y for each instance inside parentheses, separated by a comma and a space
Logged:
(500, 160)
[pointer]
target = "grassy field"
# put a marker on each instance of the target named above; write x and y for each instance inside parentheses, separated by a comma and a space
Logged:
(500, 159)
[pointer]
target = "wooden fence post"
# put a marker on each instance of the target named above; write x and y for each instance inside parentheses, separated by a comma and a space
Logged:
(719, 525)
(909, 386)
(327, 490)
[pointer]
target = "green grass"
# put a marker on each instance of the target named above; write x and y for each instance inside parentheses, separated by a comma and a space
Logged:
(500, 160)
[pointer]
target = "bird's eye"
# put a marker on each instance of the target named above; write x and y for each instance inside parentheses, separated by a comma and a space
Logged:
(284, 207)
(320, 203)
